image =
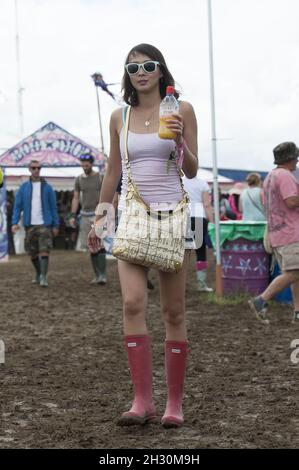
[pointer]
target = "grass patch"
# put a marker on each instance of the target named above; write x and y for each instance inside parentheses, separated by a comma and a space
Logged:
(234, 299)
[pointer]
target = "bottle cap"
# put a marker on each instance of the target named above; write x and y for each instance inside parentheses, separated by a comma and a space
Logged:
(170, 90)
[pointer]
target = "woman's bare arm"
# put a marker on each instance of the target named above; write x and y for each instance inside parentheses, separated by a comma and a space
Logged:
(113, 172)
(190, 165)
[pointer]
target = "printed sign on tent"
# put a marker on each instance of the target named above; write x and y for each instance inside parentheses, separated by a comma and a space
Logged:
(53, 146)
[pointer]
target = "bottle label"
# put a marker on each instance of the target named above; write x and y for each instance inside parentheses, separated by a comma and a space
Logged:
(168, 110)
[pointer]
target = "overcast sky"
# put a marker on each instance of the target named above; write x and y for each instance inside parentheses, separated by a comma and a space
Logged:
(62, 42)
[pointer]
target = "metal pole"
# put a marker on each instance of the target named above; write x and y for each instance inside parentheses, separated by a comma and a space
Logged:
(100, 121)
(20, 88)
(219, 287)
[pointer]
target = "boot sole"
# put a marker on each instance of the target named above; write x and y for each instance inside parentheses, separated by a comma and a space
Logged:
(171, 423)
(134, 420)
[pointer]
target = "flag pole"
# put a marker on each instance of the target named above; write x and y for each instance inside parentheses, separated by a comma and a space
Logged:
(219, 284)
(100, 120)
(20, 88)
(99, 82)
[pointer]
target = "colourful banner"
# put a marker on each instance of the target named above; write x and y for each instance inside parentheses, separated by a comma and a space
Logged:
(52, 146)
(3, 226)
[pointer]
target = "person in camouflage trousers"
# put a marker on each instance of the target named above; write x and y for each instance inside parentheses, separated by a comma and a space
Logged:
(37, 201)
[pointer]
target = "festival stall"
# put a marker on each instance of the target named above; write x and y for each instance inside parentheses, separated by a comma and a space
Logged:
(58, 152)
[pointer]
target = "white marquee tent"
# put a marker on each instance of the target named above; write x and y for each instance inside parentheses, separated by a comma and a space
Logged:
(62, 178)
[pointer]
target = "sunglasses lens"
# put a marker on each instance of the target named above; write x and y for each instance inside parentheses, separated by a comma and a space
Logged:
(35, 168)
(132, 68)
(149, 67)
(85, 157)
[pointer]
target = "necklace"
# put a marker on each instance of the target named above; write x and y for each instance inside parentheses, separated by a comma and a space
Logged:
(147, 122)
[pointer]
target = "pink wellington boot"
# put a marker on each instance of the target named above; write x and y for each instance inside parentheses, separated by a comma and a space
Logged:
(140, 362)
(175, 365)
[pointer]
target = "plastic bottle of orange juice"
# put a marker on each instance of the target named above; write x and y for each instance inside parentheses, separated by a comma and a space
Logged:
(169, 106)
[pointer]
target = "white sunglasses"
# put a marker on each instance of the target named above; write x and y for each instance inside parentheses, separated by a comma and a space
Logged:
(150, 66)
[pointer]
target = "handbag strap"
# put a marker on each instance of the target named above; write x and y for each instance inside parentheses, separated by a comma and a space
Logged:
(127, 114)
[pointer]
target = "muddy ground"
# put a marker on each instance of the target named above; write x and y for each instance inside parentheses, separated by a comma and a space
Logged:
(65, 379)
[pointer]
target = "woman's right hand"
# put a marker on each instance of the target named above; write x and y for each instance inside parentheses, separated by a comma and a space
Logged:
(94, 243)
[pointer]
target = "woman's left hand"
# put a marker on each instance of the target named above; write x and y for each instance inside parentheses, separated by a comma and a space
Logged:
(175, 124)
(94, 244)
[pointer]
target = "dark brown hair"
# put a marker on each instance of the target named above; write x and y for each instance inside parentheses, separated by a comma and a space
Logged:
(129, 92)
(34, 161)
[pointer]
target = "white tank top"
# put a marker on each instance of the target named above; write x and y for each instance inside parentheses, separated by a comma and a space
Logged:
(153, 169)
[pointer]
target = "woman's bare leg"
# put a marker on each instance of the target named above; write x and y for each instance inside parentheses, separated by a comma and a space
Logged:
(133, 282)
(172, 293)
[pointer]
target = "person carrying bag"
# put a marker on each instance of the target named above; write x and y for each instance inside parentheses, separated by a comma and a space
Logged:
(150, 180)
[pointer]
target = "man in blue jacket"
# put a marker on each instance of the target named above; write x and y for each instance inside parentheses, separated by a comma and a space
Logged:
(37, 200)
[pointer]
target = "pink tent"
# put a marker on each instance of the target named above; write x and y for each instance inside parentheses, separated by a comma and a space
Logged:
(53, 147)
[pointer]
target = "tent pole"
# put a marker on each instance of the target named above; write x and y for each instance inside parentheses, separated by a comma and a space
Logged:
(219, 285)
